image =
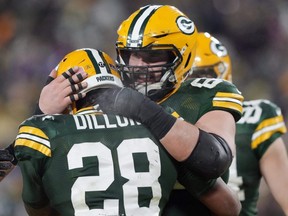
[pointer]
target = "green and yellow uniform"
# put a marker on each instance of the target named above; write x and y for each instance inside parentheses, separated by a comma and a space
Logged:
(262, 123)
(94, 164)
(198, 96)
(193, 99)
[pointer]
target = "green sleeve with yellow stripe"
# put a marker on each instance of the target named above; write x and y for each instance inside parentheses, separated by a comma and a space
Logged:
(33, 137)
(198, 96)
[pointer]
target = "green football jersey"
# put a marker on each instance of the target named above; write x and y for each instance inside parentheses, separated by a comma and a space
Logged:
(262, 123)
(193, 99)
(96, 164)
(198, 96)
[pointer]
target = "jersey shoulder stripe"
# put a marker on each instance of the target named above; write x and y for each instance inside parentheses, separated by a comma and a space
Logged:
(33, 138)
(198, 96)
(266, 129)
(228, 100)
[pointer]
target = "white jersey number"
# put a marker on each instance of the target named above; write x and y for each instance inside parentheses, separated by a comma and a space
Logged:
(106, 176)
(251, 114)
(206, 82)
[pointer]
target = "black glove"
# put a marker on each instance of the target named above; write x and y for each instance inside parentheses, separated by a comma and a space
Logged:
(133, 104)
(6, 162)
(10, 149)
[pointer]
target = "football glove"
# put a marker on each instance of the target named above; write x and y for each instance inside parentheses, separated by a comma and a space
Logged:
(7, 161)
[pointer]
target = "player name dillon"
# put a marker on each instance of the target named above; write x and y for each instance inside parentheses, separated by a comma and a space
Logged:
(83, 122)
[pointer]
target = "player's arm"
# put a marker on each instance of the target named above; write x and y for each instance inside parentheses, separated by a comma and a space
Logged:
(60, 92)
(215, 194)
(221, 123)
(221, 200)
(274, 168)
(44, 211)
(206, 153)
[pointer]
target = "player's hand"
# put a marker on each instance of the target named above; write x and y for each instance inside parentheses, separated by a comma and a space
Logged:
(6, 165)
(61, 91)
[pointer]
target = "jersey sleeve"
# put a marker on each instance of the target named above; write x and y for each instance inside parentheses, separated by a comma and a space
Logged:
(216, 94)
(32, 140)
(270, 126)
(33, 192)
(229, 98)
(32, 148)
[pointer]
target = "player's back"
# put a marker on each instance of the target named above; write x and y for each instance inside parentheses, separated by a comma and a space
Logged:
(94, 165)
(262, 123)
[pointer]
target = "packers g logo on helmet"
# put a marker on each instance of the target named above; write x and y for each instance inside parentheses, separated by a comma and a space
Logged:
(185, 25)
(211, 58)
(218, 48)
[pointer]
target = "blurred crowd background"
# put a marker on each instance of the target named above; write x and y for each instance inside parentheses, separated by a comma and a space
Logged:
(35, 35)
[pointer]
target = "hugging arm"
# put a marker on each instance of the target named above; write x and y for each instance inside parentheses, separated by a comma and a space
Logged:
(221, 200)
(184, 141)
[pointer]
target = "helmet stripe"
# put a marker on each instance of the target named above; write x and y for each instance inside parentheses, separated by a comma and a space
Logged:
(106, 64)
(136, 31)
(96, 57)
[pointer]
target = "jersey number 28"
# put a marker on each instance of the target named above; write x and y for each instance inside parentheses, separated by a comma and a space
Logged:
(106, 176)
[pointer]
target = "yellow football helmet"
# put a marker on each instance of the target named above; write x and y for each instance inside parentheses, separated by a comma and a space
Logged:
(154, 31)
(212, 59)
(101, 69)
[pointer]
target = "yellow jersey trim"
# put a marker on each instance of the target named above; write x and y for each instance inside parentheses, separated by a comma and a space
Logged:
(33, 138)
(266, 129)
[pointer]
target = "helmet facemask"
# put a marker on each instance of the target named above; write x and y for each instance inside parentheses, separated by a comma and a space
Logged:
(150, 70)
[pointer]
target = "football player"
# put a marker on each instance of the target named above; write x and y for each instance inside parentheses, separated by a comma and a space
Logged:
(260, 150)
(155, 51)
(155, 58)
(91, 163)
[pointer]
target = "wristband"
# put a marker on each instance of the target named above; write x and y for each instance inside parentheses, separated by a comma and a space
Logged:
(133, 104)
(155, 118)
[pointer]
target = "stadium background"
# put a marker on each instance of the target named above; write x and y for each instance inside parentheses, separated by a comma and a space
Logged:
(35, 35)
